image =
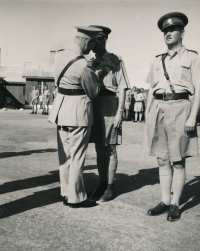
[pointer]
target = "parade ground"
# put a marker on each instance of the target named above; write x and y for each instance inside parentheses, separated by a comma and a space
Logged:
(34, 218)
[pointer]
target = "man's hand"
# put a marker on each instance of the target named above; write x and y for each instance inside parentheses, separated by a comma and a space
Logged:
(118, 119)
(99, 72)
(190, 124)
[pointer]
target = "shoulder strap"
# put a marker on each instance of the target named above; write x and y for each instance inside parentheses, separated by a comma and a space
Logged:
(166, 73)
(66, 67)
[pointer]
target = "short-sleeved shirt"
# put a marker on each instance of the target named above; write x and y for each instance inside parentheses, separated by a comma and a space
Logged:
(183, 70)
(114, 76)
(34, 94)
(139, 97)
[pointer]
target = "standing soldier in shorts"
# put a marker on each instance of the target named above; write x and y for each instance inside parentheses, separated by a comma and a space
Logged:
(108, 113)
(171, 118)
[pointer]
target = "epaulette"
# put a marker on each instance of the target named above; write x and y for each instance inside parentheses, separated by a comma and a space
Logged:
(60, 50)
(160, 55)
(115, 58)
(194, 51)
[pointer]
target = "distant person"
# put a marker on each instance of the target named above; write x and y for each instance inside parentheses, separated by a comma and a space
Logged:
(54, 92)
(170, 116)
(46, 97)
(34, 101)
(138, 106)
(127, 106)
(41, 100)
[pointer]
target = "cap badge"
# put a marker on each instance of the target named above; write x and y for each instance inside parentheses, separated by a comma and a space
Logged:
(169, 21)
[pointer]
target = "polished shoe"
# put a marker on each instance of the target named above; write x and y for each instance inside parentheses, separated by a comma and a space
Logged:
(173, 214)
(108, 194)
(85, 204)
(65, 201)
(159, 209)
(99, 191)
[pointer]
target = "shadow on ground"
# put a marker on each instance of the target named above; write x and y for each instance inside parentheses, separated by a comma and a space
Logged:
(24, 153)
(123, 184)
(191, 194)
(47, 179)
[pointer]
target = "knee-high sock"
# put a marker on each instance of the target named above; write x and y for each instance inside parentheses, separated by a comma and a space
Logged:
(112, 170)
(165, 175)
(136, 116)
(178, 184)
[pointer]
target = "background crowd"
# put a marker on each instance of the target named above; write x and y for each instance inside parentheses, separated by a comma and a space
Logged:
(134, 108)
(42, 99)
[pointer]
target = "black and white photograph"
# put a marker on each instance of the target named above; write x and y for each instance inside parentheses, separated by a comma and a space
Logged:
(99, 125)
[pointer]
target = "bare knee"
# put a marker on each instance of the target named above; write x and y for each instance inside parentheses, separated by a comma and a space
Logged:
(163, 162)
(179, 164)
(111, 151)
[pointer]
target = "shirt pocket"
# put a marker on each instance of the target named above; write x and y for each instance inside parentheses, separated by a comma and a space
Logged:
(110, 80)
(157, 74)
(182, 72)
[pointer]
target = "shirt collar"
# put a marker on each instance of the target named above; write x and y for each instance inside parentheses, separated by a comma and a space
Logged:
(179, 52)
(105, 56)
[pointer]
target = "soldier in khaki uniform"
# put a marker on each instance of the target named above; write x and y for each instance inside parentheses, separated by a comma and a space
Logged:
(72, 111)
(170, 116)
(108, 113)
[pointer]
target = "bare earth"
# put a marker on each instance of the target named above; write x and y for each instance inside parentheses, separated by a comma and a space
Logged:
(33, 216)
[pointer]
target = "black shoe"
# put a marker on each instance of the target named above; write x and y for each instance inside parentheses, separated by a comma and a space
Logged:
(108, 194)
(159, 209)
(173, 214)
(85, 203)
(65, 201)
(99, 191)
(32, 113)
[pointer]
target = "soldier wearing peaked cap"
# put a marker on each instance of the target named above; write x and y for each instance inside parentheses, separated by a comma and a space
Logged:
(108, 113)
(171, 117)
(72, 111)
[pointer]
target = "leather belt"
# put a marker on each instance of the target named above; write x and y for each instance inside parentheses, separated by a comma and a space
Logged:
(171, 96)
(106, 92)
(71, 92)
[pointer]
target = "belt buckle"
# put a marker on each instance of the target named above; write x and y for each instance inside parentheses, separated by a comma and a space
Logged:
(165, 96)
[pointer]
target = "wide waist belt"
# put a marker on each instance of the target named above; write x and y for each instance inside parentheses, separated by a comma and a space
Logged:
(71, 92)
(106, 92)
(171, 96)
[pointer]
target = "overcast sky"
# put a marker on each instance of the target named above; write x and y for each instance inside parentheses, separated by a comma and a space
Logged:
(30, 29)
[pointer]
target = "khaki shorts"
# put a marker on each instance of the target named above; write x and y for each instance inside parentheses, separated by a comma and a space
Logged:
(166, 133)
(138, 107)
(103, 131)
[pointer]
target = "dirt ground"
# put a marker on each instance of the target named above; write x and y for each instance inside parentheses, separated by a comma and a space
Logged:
(33, 216)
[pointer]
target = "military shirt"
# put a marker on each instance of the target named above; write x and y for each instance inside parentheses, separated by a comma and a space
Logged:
(114, 76)
(183, 69)
(34, 94)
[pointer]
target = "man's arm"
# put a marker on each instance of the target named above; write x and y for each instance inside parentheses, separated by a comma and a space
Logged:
(119, 115)
(90, 82)
(195, 71)
(150, 99)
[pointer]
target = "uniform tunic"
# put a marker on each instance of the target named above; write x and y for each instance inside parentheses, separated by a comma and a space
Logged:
(114, 79)
(166, 120)
(46, 96)
(74, 117)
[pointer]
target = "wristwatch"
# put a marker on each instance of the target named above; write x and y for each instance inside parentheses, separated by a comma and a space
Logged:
(121, 110)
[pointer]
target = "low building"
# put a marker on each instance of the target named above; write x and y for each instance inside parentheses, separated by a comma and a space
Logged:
(17, 83)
